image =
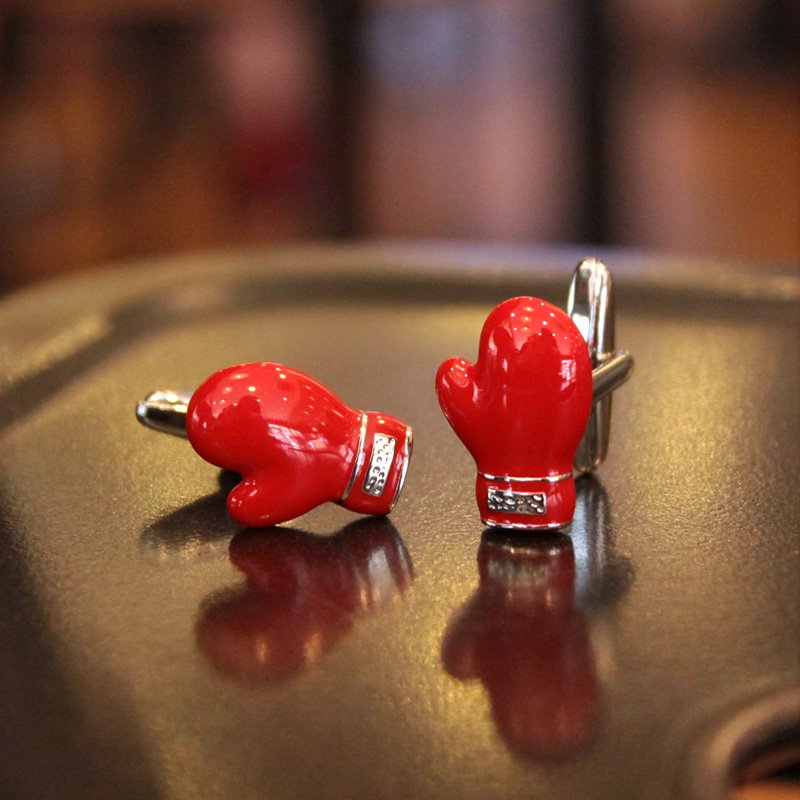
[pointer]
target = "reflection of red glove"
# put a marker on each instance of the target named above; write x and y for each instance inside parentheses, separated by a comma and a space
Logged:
(295, 444)
(521, 410)
(522, 636)
(303, 593)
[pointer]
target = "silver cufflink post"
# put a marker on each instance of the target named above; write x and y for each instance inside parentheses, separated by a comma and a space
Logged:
(164, 411)
(590, 305)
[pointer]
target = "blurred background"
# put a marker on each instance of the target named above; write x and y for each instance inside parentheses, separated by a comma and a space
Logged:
(142, 127)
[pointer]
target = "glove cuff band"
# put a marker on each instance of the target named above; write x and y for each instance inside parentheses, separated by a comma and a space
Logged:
(515, 479)
(379, 469)
(536, 503)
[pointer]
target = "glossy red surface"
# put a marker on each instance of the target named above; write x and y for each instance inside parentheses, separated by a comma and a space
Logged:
(303, 593)
(295, 443)
(521, 409)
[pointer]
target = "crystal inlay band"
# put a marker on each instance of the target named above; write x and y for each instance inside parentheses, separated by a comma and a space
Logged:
(510, 502)
(380, 463)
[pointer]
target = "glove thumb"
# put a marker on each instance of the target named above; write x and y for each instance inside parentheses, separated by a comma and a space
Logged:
(260, 501)
(455, 388)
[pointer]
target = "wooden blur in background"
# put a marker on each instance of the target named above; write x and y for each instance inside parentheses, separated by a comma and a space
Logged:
(151, 126)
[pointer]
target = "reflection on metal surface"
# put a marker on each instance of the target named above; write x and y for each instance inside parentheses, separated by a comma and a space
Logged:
(532, 635)
(303, 592)
(520, 479)
(522, 635)
(602, 575)
(404, 471)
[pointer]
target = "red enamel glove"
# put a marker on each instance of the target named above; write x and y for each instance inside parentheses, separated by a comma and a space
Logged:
(295, 444)
(521, 410)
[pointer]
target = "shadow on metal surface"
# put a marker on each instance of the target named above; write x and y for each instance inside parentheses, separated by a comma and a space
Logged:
(56, 743)
(201, 527)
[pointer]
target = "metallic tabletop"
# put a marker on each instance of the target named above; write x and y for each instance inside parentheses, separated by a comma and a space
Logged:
(640, 654)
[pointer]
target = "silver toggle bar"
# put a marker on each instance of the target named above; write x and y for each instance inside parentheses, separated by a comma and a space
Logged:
(164, 411)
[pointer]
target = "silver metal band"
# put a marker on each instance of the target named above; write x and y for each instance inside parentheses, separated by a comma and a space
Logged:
(516, 479)
(409, 446)
(551, 526)
(359, 461)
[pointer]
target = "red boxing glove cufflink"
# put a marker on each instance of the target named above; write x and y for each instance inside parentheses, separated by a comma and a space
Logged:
(294, 442)
(521, 410)
(524, 409)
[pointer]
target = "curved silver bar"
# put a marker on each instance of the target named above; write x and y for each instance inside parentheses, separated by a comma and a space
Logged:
(359, 459)
(164, 411)
(590, 305)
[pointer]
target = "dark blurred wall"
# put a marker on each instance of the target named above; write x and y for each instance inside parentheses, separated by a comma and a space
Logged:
(705, 134)
(470, 124)
(140, 128)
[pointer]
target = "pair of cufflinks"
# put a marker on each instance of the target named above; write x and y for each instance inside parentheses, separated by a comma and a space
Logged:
(533, 411)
